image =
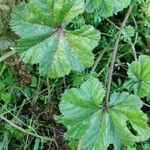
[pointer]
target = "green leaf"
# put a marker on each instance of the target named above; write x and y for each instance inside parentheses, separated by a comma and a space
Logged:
(5, 96)
(106, 7)
(91, 5)
(34, 82)
(41, 24)
(128, 33)
(139, 74)
(98, 126)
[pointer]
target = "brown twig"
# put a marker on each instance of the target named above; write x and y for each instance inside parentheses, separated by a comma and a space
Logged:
(113, 24)
(115, 49)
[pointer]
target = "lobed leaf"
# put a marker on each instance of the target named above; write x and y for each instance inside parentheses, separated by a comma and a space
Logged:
(98, 126)
(41, 24)
(139, 74)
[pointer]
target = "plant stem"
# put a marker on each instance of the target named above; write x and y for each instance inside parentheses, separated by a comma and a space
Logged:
(25, 131)
(113, 24)
(146, 104)
(79, 145)
(98, 60)
(7, 55)
(115, 49)
(134, 51)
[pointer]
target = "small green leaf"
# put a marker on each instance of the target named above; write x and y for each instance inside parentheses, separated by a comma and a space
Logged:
(128, 33)
(34, 82)
(5, 96)
(139, 74)
(97, 126)
(46, 41)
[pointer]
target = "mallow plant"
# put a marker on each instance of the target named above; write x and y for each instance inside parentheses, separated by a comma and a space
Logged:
(95, 117)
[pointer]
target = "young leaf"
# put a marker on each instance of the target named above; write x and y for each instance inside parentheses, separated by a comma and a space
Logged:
(96, 125)
(41, 24)
(106, 7)
(139, 74)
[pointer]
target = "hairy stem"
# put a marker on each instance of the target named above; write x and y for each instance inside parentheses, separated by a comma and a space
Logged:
(115, 49)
